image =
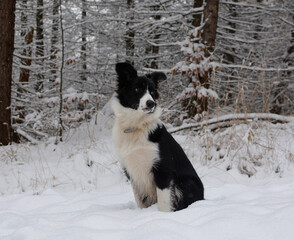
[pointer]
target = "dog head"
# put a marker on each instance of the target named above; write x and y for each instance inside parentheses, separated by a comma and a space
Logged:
(137, 92)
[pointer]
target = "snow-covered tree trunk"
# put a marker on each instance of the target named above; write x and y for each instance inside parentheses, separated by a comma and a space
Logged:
(24, 75)
(26, 57)
(84, 43)
(208, 38)
(54, 40)
(7, 18)
(130, 34)
(153, 50)
(60, 120)
(40, 43)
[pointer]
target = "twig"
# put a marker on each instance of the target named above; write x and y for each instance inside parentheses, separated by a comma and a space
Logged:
(27, 136)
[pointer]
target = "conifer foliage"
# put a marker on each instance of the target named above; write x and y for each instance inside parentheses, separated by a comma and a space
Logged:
(198, 65)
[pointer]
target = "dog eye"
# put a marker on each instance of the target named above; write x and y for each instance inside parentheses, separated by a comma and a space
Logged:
(137, 89)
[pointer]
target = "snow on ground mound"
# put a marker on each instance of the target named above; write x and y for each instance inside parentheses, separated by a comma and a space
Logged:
(232, 211)
(76, 189)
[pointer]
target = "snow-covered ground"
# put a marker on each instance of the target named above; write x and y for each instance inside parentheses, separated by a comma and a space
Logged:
(76, 190)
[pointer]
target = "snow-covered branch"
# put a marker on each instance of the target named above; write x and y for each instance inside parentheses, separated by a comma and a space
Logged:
(230, 119)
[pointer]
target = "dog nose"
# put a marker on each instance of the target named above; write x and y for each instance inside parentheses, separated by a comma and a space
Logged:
(150, 104)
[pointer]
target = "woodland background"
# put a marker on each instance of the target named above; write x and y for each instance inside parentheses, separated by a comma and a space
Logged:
(64, 53)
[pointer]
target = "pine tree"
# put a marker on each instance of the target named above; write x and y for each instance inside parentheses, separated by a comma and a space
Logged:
(197, 48)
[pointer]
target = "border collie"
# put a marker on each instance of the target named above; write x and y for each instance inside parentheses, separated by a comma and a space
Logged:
(153, 161)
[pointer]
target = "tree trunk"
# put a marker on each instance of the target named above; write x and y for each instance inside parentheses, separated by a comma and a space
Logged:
(232, 30)
(197, 17)
(229, 56)
(208, 39)
(54, 40)
(7, 18)
(154, 50)
(27, 52)
(40, 42)
(130, 35)
(209, 29)
(24, 76)
(279, 89)
(24, 18)
(60, 121)
(84, 43)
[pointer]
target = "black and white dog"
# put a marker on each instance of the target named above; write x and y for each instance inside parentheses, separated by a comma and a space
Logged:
(156, 165)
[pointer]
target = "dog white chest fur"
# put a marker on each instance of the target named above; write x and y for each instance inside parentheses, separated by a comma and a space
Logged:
(136, 153)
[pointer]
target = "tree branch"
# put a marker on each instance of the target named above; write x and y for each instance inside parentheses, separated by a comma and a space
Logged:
(227, 120)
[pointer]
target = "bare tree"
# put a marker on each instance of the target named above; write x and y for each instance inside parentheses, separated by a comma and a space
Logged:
(26, 60)
(84, 43)
(130, 34)
(60, 120)
(54, 39)
(153, 50)
(7, 18)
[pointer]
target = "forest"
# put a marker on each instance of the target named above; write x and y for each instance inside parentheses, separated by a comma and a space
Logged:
(65, 51)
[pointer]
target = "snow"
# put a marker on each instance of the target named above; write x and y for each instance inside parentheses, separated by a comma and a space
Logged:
(76, 189)
(204, 92)
(264, 210)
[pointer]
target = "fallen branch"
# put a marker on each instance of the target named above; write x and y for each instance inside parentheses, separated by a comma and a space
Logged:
(26, 136)
(227, 120)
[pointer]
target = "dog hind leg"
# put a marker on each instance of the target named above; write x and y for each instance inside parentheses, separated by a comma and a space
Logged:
(164, 199)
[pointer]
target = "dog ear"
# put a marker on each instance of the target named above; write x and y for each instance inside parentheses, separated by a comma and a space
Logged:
(126, 73)
(156, 77)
